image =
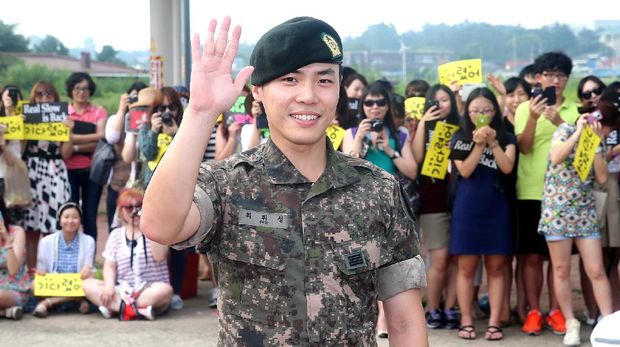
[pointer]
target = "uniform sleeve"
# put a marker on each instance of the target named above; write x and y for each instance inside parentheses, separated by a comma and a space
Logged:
(521, 115)
(207, 199)
(406, 271)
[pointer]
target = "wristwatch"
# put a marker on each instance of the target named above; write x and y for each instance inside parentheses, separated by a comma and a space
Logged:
(395, 155)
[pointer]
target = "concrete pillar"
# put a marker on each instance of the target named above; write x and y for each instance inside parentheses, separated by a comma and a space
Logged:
(166, 38)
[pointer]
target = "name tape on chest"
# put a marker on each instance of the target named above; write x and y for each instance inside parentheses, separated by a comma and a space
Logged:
(263, 219)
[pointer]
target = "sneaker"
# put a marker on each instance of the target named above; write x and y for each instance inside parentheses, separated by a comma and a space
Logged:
(571, 338)
(434, 319)
(452, 318)
(147, 313)
(556, 322)
(105, 312)
(213, 300)
(15, 312)
(176, 303)
(533, 323)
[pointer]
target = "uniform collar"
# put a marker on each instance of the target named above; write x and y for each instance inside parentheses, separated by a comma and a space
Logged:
(338, 173)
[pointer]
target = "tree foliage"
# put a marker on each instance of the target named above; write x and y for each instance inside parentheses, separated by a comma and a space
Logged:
(108, 54)
(10, 41)
(51, 44)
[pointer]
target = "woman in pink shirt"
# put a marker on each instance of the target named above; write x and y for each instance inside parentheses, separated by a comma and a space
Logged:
(88, 129)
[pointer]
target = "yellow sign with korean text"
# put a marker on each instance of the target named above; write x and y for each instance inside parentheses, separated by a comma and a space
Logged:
(46, 131)
(18, 111)
(14, 127)
(52, 284)
(586, 149)
(336, 135)
(461, 71)
(414, 107)
(436, 160)
(163, 142)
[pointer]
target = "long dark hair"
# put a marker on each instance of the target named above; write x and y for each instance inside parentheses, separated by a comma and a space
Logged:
(5, 214)
(377, 89)
(496, 122)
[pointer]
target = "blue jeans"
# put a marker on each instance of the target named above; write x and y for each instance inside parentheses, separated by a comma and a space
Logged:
(89, 193)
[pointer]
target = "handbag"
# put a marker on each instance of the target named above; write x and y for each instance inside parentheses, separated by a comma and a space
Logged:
(102, 162)
(600, 204)
(17, 185)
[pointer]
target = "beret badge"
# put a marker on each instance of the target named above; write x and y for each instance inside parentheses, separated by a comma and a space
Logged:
(331, 44)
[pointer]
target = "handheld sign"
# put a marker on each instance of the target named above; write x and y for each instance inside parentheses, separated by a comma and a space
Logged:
(46, 112)
(52, 284)
(462, 71)
(237, 114)
(414, 107)
(336, 135)
(20, 106)
(134, 119)
(14, 127)
(46, 131)
(163, 142)
(586, 149)
(436, 160)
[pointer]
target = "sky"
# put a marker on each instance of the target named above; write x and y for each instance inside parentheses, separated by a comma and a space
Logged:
(125, 24)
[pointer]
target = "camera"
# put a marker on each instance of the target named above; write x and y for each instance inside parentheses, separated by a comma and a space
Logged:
(14, 95)
(594, 117)
(133, 99)
(167, 118)
(376, 125)
(431, 103)
(548, 93)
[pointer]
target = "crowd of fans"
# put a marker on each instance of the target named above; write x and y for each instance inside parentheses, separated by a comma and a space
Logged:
(511, 200)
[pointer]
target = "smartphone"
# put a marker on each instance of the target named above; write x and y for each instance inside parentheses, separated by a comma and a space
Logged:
(482, 120)
(536, 91)
(549, 93)
(431, 103)
(14, 95)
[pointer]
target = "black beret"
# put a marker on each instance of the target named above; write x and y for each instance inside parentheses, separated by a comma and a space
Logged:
(293, 44)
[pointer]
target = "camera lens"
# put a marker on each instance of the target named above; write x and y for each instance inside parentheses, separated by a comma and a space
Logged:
(167, 118)
(376, 126)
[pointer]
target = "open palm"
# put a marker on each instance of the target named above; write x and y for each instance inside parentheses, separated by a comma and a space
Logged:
(212, 90)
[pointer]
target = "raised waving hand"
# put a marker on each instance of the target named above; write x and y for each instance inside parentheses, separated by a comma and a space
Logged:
(212, 89)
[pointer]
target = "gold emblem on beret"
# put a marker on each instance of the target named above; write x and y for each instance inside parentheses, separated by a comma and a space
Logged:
(331, 44)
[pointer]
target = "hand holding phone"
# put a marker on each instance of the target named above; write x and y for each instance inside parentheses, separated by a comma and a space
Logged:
(482, 120)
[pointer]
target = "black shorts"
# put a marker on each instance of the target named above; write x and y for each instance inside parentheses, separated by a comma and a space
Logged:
(529, 241)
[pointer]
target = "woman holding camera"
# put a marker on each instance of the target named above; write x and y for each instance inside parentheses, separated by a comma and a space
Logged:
(569, 215)
(11, 95)
(376, 138)
(155, 136)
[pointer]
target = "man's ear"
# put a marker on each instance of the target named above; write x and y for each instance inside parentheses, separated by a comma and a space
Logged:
(257, 93)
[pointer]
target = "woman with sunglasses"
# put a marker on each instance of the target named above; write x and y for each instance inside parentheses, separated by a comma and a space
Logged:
(134, 266)
(49, 181)
(67, 251)
(88, 128)
(155, 136)
(589, 91)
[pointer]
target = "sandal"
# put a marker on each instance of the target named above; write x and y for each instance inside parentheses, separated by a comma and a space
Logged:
(42, 308)
(494, 333)
(15, 312)
(469, 330)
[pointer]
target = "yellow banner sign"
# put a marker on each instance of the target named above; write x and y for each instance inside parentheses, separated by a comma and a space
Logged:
(18, 111)
(336, 135)
(46, 131)
(586, 149)
(414, 107)
(52, 284)
(436, 159)
(163, 142)
(14, 127)
(462, 71)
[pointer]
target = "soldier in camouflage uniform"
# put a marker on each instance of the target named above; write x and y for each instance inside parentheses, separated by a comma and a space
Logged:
(304, 239)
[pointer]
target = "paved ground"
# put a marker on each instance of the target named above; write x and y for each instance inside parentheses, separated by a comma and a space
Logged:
(196, 325)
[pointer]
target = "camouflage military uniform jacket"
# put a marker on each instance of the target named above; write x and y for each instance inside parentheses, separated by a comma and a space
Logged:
(302, 263)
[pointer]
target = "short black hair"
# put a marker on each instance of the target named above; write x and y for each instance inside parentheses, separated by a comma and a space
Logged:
(76, 78)
(416, 88)
(553, 61)
(527, 70)
(137, 86)
(513, 83)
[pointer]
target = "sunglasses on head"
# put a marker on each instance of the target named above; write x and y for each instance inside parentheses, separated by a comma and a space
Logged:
(588, 95)
(378, 102)
(162, 108)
